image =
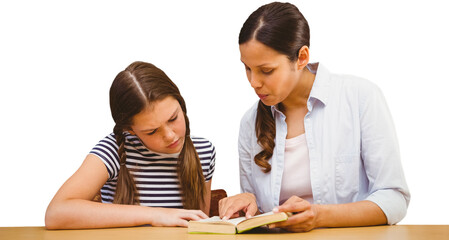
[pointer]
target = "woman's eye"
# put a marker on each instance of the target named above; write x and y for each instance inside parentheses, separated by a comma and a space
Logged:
(267, 71)
(173, 119)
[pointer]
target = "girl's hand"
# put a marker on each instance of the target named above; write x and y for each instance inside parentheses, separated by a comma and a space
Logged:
(304, 216)
(169, 217)
(231, 206)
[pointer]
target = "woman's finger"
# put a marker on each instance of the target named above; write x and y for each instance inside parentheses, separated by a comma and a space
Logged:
(293, 205)
(296, 219)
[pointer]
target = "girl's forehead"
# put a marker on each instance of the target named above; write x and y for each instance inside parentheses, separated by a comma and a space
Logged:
(156, 113)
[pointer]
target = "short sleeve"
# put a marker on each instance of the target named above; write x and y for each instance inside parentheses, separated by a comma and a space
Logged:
(206, 153)
(107, 150)
(211, 170)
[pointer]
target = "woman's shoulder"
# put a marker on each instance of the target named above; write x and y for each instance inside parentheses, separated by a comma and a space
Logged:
(250, 114)
(352, 85)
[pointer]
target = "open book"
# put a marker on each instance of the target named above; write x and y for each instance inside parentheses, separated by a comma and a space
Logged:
(234, 225)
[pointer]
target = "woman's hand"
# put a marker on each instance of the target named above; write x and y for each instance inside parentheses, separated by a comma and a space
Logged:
(169, 217)
(231, 206)
(304, 216)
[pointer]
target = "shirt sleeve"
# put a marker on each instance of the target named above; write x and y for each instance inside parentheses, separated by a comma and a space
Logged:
(206, 152)
(211, 168)
(107, 150)
(244, 148)
(380, 154)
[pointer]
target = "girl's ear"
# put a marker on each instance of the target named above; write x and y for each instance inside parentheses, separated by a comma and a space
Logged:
(303, 57)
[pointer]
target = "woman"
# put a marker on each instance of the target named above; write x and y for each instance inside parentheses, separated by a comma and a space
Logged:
(148, 169)
(319, 145)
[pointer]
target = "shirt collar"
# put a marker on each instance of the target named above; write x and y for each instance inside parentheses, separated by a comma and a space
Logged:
(320, 89)
(321, 85)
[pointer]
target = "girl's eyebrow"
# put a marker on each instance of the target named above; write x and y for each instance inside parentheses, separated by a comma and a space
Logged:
(171, 117)
(174, 113)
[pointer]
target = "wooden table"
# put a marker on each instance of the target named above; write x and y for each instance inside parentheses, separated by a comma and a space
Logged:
(398, 232)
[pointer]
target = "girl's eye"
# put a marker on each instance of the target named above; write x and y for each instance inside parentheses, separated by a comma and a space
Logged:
(153, 132)
(173, 119)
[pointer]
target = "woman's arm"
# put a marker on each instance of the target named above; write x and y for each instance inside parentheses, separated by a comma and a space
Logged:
(246, 201)
(73, 208)
(362, 213)
(381, 155)
(309, 216)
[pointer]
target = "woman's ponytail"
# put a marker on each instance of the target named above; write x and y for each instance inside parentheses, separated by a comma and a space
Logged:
(265, 132)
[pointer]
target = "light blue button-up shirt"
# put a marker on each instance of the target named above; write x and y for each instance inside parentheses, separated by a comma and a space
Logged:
(353, 148)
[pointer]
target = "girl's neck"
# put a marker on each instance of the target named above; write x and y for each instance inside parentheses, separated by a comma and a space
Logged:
(299, 96)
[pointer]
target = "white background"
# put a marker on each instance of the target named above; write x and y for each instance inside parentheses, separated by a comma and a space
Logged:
(58, 59)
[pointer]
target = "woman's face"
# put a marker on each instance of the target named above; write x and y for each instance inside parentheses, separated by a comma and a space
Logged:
(272, 75)
(161, 127)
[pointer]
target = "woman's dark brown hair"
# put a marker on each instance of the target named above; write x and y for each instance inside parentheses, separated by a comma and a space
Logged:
(133, 89)
(282, 27)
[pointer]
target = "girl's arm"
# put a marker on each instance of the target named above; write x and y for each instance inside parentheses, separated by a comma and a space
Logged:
(206, 206)
(309, 216)
(72, 206)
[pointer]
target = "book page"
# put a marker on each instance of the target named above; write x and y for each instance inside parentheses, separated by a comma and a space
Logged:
(238, 220)
(211, 219)
(264, 214)
(233, 221)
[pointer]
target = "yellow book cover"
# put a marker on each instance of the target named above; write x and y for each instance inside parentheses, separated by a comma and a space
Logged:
(235, 225)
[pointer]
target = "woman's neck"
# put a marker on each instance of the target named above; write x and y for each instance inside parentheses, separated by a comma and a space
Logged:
(299, 96)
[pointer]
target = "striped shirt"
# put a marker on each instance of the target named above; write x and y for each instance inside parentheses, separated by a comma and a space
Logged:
(154, 173)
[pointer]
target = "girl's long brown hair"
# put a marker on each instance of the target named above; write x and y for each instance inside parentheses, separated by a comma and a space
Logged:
(282, 27)
(139, 85)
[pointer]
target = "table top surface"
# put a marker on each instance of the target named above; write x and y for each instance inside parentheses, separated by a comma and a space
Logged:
(434, 232)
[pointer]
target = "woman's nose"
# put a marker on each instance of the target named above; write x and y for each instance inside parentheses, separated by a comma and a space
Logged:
(254, 81)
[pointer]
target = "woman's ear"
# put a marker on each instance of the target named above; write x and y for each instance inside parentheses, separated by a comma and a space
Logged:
(303, 57)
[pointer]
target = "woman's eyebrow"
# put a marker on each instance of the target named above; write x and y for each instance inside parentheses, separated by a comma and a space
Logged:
(260, 65)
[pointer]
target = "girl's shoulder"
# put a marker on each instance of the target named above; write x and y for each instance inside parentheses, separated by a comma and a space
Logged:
(200, 142)
(204, 148)
(108, 140)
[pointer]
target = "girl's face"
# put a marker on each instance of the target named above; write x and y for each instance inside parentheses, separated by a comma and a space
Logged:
(272, 75)
(161, 127)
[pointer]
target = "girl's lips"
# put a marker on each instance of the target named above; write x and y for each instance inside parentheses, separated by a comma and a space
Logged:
(174, 144)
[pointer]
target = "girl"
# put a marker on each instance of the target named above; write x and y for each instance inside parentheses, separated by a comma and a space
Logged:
(147, 169)
(320, 145)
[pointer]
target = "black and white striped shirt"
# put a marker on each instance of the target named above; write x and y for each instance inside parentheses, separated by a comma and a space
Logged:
(154, 173)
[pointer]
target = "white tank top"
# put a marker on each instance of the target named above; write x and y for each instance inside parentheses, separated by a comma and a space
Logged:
(296, 175)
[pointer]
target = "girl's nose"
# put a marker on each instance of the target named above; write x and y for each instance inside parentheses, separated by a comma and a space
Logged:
(169, 134)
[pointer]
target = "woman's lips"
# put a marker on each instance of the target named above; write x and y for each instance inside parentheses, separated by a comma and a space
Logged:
(262, 96)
